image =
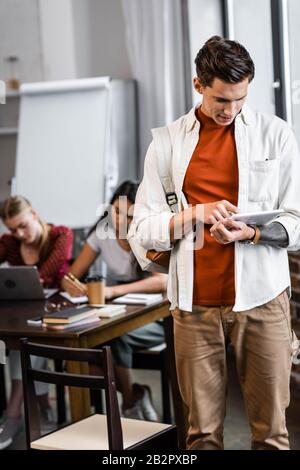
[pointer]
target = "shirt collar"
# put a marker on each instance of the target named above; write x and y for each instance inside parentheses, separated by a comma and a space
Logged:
(191, 119)
(246, 115)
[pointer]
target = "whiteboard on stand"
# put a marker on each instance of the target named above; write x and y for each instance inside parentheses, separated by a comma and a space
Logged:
(62, 150)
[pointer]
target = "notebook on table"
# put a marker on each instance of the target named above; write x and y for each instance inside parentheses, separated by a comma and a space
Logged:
(101, 310)
(89, 321)
(109, 310)
(69, 315)
(138, 299)
(82, 299)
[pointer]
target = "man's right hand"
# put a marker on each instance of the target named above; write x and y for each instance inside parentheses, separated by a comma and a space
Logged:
(219, 210)
(184, 222)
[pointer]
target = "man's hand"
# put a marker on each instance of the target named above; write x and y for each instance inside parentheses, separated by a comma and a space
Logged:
(227, 231)
(183, 223)
(218, 210)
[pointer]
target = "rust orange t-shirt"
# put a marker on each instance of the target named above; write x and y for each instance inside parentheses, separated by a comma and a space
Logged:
(212, 175)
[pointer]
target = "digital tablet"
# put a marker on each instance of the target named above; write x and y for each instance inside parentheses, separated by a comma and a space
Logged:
(257, 218)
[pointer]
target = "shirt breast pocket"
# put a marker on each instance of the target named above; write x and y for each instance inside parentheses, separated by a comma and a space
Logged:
(263, 180)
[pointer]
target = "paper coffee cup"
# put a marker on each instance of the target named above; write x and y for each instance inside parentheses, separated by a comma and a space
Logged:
(96, 289)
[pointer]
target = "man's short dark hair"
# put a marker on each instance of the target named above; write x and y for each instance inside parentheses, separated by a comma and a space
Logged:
(224, 59)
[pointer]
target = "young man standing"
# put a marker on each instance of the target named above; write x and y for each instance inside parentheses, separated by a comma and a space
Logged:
(225, 158)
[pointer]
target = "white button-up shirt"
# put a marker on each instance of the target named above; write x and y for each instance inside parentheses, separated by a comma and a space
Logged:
(269, 178)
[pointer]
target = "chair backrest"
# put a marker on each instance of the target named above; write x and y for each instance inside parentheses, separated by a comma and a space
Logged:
(97, 360)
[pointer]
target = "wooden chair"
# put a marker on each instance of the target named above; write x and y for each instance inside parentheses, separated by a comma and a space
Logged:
(60, 394)
(97, 431)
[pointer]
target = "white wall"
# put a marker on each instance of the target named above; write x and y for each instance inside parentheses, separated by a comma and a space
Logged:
(205, 20)
(255, 33)
(100, 39)
(64, 39)
(20, 36)
(82, 37)
(57, 39)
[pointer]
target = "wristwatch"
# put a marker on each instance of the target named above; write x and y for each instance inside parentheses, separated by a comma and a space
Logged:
(256, 237)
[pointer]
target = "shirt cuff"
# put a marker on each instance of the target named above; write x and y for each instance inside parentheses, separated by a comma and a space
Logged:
(292, 228)
(154, 232)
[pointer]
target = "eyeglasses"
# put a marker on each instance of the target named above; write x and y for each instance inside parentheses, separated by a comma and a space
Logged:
(55, 307)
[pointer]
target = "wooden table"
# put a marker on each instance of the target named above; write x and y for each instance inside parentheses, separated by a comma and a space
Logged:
(13, 326)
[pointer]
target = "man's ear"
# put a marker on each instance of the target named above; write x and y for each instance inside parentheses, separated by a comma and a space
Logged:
(197, 85)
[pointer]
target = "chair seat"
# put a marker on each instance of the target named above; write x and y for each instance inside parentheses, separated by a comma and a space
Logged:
(91, 434)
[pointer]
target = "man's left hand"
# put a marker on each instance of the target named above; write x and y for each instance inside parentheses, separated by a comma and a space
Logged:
(228, 231)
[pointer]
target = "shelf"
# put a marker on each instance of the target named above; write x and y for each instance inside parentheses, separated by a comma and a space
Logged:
(8, 131)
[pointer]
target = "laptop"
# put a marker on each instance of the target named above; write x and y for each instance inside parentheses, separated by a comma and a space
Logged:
(22, 283)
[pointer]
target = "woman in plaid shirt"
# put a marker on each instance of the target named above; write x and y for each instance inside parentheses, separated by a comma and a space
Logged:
(31, 242)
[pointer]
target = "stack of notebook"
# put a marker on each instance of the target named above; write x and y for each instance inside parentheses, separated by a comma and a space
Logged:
(70, 318)
(74, 317)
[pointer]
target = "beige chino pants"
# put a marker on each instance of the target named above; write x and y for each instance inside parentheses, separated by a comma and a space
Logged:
(261, 338)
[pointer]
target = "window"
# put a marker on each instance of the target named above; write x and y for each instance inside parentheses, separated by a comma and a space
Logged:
(253, 29)
(205, 20)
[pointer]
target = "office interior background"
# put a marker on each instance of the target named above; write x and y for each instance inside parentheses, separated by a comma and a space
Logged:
(152, 45)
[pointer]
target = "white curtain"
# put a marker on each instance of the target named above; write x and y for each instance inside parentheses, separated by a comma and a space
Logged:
(155, 48)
